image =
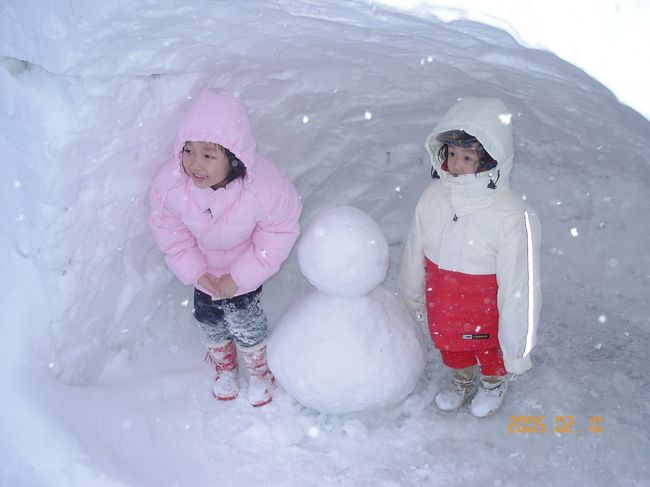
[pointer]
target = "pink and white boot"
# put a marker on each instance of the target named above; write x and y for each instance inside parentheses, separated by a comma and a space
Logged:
(224, 357)
(262, 382)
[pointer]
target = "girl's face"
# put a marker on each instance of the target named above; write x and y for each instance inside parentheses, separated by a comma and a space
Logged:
(206, 163)
(462, 160)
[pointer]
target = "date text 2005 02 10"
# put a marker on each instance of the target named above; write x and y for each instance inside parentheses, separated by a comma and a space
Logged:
(561, 424)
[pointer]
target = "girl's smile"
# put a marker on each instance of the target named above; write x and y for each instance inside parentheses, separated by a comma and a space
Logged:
(206, 163)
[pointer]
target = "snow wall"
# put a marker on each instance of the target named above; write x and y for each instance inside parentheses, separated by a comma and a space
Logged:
(90, 94)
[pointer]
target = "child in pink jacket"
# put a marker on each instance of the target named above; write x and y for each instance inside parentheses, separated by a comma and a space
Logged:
(225, 218)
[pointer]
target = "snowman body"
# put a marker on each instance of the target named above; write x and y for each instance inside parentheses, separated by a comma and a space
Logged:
(351, 345)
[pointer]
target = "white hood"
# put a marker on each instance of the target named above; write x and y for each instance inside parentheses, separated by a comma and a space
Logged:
(488, 120)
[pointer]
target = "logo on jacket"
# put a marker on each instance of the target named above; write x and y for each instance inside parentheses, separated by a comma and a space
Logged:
(477, 336)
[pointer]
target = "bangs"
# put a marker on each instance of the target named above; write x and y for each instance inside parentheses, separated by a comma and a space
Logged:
(458, 138)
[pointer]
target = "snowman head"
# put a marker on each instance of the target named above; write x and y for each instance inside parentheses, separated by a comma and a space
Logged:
(343, 252)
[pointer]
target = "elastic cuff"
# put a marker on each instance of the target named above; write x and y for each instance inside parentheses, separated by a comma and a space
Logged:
(517, 365)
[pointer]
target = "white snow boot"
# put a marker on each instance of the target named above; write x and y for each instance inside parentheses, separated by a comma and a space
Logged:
(262, 382)
(490, 395)
(460, 388)
(224, 357)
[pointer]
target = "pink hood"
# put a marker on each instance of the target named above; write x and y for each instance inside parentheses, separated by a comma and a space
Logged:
(221, 119)
(247, 228)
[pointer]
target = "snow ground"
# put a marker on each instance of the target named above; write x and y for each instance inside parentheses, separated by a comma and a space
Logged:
(101, 368)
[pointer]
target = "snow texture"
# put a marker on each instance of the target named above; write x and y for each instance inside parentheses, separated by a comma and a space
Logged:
(580, 32)
(102, 378)
(338, 350)
(343, 252)
(345, 355)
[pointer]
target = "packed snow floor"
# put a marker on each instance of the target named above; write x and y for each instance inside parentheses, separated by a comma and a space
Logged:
(102, 373)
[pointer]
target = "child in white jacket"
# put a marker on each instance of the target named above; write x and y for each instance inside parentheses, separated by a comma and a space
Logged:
(471, 260)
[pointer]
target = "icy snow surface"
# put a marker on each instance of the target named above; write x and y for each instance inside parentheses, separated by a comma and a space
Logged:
(101, 367)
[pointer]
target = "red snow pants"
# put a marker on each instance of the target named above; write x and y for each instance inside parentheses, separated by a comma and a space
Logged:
(489, 360)
(464, 319)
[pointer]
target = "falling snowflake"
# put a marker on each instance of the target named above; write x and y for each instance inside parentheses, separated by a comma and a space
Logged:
(505, 118)
(305, 119)
(574, 232)
(368, 115)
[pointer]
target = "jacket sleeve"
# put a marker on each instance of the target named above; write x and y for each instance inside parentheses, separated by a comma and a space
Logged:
(519, 293)
(277, 228)
(174, 239)
(411, 272)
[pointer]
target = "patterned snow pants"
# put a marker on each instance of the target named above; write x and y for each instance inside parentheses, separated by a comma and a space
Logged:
(240, 318)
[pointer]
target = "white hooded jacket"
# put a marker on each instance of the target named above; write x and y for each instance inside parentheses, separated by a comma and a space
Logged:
(464, 224)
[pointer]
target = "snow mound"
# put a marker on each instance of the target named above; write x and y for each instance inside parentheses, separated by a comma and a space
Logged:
(338, 355)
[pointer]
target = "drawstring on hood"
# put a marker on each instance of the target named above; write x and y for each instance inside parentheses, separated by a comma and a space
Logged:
(488, 120)
(493, 183)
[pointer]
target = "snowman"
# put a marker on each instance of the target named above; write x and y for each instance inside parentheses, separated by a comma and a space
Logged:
(351, 345)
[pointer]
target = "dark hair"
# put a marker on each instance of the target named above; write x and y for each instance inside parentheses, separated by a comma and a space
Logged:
(460, 138)
(237, 167)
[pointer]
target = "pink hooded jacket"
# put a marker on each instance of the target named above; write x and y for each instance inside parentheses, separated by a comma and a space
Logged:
(247, 228)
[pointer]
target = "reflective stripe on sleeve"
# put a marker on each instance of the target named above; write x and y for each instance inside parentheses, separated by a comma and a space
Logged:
(531, 298)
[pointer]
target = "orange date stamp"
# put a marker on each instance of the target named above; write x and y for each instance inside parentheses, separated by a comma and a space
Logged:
(560, 425)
